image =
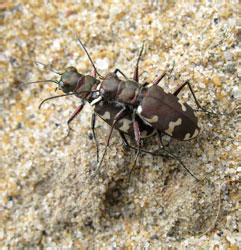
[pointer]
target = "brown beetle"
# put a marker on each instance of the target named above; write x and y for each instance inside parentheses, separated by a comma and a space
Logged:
(136, 110)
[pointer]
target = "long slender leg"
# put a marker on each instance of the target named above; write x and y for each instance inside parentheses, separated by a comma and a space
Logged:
(77, 111)
(138, 140)
(135, 148)
(161, 76)
(118, 70)
(159, 79)
(93, 120)
(145, 84)
(126, 144)
(179, 88)
(159, 137)
(117, 117)
(136, 129)
(136, 72)
(177, 91)
(172, 155)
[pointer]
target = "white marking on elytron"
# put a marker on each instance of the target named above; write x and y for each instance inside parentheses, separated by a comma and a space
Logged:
(198, 122)
(188, 137)
(106, 115)
(96, 100)
(126, 125)
(150, 120)
(183, 106)
(196, 132)
(172, 126)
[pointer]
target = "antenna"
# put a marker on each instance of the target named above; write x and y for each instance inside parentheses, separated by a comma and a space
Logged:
(47, 66)
(82, 45)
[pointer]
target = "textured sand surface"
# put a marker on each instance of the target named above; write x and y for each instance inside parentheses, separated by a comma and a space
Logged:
(48, 196)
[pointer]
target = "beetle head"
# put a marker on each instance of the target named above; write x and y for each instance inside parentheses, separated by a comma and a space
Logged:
(69, 79)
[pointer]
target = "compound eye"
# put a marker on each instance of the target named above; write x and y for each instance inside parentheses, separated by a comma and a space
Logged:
(65, 87)
(62, 84)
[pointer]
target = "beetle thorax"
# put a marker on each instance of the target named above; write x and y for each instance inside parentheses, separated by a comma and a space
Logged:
(86, 87)
(117, 90)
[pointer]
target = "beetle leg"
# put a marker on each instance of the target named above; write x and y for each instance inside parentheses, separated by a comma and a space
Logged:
(125, 142)
(94, 73)
(161, 76)
(133, 167)
(135, 148)
(177, 91)
(159, 79)
(136, 129)
(179, 88)
(145, 84)
(118, 70)
(117, 117)
(93, 120)
(76, 112)
(136, 73)
(159, 137)
(174, 156)
(138, 150)
(138, 140)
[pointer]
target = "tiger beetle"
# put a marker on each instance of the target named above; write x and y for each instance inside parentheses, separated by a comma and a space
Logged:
(139, 111)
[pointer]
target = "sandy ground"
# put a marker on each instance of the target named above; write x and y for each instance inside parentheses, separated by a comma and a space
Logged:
(48, 197)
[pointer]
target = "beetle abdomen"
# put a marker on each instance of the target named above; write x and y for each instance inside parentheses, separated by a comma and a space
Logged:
(168, 114)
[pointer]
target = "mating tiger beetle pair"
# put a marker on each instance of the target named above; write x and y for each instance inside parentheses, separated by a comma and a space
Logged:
(139, 111)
